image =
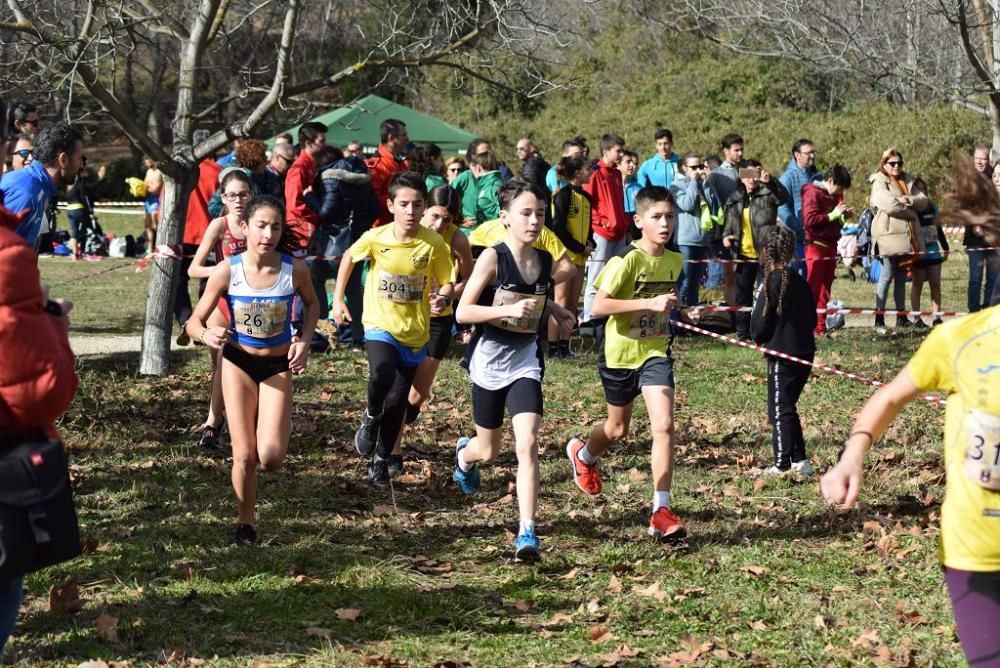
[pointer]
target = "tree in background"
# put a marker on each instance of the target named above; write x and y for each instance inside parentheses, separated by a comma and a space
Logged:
(910, 51)
(267, 54)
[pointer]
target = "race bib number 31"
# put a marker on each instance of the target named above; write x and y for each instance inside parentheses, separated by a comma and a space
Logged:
(261, 319)
(527, 325)
(982, 454)
(402, 289)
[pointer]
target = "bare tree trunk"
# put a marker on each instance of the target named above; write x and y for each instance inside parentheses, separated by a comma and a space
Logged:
(154, 358)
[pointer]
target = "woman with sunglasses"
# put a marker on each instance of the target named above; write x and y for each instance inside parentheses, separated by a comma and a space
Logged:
(454, 167)
(23, 153)
(224, 238)
(895, 230)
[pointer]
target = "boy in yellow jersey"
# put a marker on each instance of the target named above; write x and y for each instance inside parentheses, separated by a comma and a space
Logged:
(637, 293)
(962, 359)
(492, 232)
(398, 305)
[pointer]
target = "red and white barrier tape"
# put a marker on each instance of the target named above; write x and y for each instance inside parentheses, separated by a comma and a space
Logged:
(939, 401)
(708, 308)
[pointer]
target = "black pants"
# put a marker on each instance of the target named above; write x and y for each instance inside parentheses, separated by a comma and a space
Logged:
(182, 298)
(746, 279)
(388, 392)
(785, 382)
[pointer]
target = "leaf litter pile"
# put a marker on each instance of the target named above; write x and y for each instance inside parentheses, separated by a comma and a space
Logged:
(345, 574)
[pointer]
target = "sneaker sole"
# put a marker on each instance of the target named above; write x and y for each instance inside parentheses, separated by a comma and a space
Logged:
(527, 555)
(672, 537)
(572, 463)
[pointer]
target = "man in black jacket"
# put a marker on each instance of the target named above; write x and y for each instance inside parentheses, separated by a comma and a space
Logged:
(535, 168)
(749, 213)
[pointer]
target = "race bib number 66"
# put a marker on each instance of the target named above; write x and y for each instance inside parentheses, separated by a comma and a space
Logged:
(648, 324)
(982, 454)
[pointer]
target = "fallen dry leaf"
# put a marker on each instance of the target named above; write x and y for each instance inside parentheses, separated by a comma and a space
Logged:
(635, 475)
(652, 591)
(107, 628)
(383, 511)
(867, 638)
(884, 655)
(348, 614)
(758, 625)
(627, 651)
(319, 632)
(559, 618)
(819, 621)
(909, 616)
(65, 598)
(757, 570)
(524, 606)
(568, 576)
(759, 484)
(598, 634)
(614, 585)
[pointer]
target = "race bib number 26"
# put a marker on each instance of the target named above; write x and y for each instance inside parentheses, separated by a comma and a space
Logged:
(261, 319)
(982, 454)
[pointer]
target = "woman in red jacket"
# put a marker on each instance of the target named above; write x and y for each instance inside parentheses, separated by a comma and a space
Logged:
(37, 378)
(823, 213)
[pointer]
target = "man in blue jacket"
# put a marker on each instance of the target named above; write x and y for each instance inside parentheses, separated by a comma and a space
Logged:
(662, 167)
(58, 154)
(800, 171)
(695, 201)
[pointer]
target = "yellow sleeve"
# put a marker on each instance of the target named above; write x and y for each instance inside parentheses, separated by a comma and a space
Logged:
(612, 277)
(931, 368)
(549, 242)
(441, 263)
(361, 248)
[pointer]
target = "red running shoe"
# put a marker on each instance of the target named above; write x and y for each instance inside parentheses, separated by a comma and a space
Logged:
(587, 478)
(665, 527)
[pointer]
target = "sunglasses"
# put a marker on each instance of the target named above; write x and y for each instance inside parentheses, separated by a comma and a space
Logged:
(894, 163)
(696, 166)
(24, 153)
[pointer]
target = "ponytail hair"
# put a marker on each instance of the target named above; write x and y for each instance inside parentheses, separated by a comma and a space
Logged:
(777, 251)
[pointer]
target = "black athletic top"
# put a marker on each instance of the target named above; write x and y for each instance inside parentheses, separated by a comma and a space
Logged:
(792, 333)
(509, 287)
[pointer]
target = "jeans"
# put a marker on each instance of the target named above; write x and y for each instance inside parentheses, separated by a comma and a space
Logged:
(693, 272)
(891, 271)
(981, 263)
(10, 602)
(604, 250)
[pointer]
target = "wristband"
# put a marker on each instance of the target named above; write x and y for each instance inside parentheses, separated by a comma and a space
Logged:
(203, 333)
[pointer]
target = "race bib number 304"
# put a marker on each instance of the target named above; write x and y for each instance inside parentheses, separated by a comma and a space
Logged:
(527, 325)
(982, 454)
(261, 319)
(402, 289)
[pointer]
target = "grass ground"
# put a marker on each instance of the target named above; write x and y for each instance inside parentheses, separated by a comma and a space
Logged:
(349, 575)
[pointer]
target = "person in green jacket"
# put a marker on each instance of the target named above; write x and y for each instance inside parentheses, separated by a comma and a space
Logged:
(427, 161)
(488, 183)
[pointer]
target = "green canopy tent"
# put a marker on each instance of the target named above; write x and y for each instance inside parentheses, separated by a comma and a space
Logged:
(360, 120)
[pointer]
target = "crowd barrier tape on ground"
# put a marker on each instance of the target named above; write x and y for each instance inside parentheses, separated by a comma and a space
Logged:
(936, 400)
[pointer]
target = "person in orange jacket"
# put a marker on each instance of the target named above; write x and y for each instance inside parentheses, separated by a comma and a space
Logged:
(386, 163)
(37, 375)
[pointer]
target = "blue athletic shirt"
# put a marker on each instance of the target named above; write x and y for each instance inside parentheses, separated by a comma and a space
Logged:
(261, 318)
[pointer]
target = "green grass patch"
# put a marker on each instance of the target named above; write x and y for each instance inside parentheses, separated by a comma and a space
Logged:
(769, 576)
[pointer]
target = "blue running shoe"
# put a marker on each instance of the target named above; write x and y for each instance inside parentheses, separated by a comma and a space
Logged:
(526, 547)
(468, 481)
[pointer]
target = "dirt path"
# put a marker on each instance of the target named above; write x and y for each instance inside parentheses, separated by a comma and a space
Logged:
(105, 345)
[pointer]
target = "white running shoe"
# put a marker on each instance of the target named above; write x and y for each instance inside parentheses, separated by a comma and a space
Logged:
(774, 472)
(804, 468)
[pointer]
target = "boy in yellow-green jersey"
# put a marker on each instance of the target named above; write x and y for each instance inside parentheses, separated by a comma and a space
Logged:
(637, 293)
(398, 305)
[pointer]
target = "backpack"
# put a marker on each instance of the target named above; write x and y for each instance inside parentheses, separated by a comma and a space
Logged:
(94, 242)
